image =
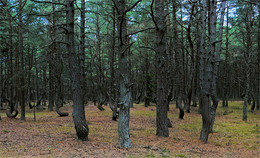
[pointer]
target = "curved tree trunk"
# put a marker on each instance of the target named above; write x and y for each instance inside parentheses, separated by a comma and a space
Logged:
(79, 119)
(13, 112)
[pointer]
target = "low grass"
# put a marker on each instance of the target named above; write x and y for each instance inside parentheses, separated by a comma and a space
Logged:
(232, 137)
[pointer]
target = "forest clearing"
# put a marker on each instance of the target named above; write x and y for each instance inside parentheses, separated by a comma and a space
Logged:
(53, 136)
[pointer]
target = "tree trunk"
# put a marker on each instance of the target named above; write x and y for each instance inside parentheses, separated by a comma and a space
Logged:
(79, 119)
(248, 57)
(148, 90)
(179, 66)
(226, 78)
(20, 49)
(258, 59)
(162, 70)
(52, 63)
(217, 56)
(112, 96)
(192, 65)
(124, 91)
(82, 46)
(205, 78)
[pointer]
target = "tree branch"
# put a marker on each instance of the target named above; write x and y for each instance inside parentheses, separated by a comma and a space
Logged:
(117, 10)
(36, 1)
(129, 9)
(132, 33)
(152, 14)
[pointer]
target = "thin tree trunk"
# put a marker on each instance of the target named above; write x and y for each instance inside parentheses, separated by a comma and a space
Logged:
(192, 66)
(179, 66)
(248, 57)
(52, 63)
(226, 78)
(258, 59)
(20, 50)
(112, 70)
(82, 46)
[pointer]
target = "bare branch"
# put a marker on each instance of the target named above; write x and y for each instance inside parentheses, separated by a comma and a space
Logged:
(132, 33)
(129, 9)
(117, 10)
(36, 1)
(145, 47)
(152, 14)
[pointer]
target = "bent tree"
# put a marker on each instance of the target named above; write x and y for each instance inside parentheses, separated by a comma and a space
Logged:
(79, 119)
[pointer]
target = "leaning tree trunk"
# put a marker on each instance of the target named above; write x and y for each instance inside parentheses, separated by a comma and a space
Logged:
(79, 119)
(217, 56)
(162, 70)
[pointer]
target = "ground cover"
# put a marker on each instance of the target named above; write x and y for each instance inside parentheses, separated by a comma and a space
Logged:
(53, 136)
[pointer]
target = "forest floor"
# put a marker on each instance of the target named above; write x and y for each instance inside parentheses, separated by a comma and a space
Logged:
(53, 136)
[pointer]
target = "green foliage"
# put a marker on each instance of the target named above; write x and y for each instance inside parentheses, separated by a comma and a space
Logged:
(180, 155)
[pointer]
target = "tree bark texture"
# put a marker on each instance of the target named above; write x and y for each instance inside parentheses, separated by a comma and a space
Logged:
(216, 55)
(79, 119)
(205, 78)
(162, 70)
(124, 90)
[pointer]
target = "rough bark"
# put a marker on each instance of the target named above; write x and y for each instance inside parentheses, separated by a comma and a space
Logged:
(217, 56)
(162, 70)
(79, 119)
(205, 78)
(125, 97)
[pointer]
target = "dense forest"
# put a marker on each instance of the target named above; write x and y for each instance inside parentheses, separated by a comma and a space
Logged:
(194, 55)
